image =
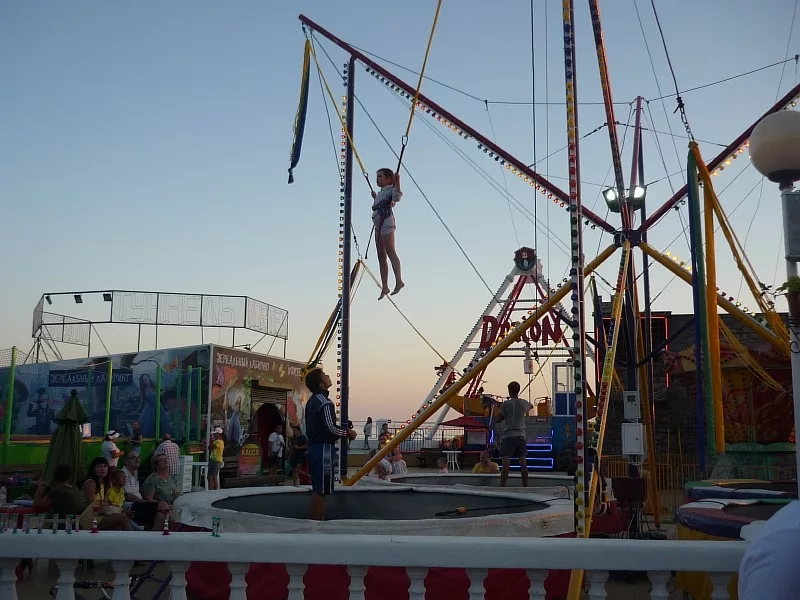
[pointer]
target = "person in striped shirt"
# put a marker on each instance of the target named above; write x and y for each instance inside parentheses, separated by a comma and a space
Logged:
(322, 432)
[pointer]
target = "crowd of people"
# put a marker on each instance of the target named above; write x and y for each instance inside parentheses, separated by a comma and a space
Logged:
(113, 496)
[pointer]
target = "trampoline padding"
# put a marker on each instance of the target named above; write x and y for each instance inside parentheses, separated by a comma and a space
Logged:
(726, 520)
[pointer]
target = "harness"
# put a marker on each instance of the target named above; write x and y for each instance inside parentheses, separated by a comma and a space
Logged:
(384, 210)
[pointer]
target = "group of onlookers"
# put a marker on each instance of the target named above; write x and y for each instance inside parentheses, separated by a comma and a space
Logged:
(112, 498)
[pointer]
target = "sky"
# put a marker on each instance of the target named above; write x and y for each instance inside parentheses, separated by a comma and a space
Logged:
(145, 146)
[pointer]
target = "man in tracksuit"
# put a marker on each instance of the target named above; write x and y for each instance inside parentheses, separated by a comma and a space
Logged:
(322, 432)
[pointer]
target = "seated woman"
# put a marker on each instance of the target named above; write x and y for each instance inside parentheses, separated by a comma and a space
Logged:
(95, 488)
(486, 465)
(161, 486)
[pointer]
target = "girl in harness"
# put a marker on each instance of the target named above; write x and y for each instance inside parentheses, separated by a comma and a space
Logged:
(383, 219)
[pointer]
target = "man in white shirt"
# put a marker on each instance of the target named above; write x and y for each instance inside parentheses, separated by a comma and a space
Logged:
(131, 470)
(109, 449)
(769, 565)
(276, 445)
(173, 453)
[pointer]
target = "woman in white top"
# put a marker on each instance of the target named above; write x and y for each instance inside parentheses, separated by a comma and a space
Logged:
(367, 432)
(109, 449)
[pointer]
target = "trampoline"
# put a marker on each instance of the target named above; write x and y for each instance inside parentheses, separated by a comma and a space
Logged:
(725, 518)
(390, 509)
(554, 486)
(387, 510)
(748, 489)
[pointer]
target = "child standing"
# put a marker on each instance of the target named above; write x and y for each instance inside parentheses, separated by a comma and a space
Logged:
(442, 464)
(383, 219)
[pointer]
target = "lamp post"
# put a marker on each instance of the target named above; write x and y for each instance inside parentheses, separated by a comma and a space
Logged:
(775, 153)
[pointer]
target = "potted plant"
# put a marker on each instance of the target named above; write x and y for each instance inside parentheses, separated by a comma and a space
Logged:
(791, 288)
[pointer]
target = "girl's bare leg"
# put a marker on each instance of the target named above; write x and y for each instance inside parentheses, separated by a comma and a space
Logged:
(383, 263)
(387, 243)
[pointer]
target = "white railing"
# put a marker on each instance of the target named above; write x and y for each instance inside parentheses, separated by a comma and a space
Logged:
(358, 553)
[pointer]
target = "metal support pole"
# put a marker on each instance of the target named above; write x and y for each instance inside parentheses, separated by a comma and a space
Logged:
(347, 226)
(109, 376)
(10, 401)
(199, 386)
(158, 403)
(794, 330)
(576, 271)
(188, 401)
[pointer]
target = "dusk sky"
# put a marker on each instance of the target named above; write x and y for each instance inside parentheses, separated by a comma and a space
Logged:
(145, 146)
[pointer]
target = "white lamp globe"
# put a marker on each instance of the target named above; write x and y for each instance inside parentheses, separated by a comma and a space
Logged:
(775, 147)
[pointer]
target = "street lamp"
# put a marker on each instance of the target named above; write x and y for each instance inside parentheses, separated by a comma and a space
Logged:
(775, 153)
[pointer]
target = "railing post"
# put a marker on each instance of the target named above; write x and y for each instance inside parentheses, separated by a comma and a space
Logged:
(416, 591)
(658, 580)
(476, 579)
(122, 585)
(66, 579)
(720, 582)
(178, 583)
(8, 579)
(537, 577)
(296, 585)
(597, 581)
(357, 574)
(238, 582)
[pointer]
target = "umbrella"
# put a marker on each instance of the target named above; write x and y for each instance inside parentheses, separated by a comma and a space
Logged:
(66, 447)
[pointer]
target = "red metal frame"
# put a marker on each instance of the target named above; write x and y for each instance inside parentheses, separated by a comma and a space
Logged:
(557, 192)
(502, 320)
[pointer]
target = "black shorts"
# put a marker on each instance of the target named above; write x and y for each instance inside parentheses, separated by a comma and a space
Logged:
(273, 460)
(513, 447)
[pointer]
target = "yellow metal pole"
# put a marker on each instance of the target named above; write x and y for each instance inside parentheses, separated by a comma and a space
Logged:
(772, 317)
(712, 316)
(512, 336)
(609, 368)
(728, 306)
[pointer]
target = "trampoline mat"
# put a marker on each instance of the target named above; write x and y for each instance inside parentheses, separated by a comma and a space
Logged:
(475, 480)
(726, 521)
(378, 505)
(756, 490)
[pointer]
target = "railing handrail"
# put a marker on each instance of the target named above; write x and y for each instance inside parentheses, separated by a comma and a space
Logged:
(379, 550)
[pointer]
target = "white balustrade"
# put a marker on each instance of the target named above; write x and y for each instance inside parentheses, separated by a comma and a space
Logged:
(536, 556)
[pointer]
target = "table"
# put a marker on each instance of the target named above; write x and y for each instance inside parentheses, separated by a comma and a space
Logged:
(452, 459)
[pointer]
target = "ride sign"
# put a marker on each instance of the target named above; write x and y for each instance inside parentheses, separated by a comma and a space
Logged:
(249, 461)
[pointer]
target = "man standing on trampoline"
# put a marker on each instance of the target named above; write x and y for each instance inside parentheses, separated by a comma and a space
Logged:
(323, 433)
(513, 443)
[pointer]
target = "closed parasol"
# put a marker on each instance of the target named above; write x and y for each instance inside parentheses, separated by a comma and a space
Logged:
(66, 447)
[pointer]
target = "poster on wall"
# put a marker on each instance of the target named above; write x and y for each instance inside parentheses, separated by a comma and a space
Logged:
(249, 461)
(41, 389)
(234, 372)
